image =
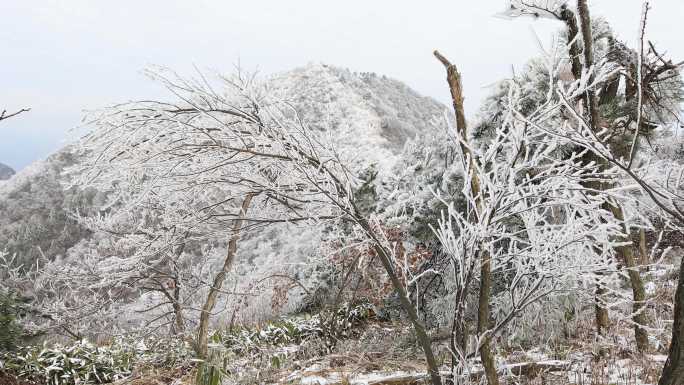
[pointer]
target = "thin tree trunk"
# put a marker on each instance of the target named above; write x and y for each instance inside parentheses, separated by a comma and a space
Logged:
(458, 340)
(421, 335)
(624, 252)
(210, 302)
(673, 372)
(568, 17)
(384, 255)
(611, 88)
(642, 248)
(456, 89)
(179, 322)
(587, 38)
(601, 313)
(570, 21)
(486, 354)
(638, 293)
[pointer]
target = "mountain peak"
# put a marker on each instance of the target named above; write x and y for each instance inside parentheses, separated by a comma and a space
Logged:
(370, 115)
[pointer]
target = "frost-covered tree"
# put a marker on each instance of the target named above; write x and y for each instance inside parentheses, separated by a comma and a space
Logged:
(208, 168)
(219, 164)
(531, 221)
(652, 179)
(630, 105)
(404, 203)
(656, 183)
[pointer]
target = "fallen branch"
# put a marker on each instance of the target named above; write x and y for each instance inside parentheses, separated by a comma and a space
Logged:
(340, 377)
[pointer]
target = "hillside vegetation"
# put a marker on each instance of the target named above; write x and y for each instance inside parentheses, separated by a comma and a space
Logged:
(321, 226)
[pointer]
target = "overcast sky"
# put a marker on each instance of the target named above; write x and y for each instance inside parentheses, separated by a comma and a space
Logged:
(63, 57)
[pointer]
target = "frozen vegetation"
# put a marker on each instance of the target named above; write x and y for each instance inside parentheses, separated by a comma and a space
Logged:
(321, 226)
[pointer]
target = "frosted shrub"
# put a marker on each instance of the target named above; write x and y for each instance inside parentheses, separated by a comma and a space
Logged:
(84, 362)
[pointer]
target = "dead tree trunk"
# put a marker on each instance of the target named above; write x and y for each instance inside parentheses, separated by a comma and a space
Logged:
(454, 81)
(215, 289)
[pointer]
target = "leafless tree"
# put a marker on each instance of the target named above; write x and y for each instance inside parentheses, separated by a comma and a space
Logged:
(226, 163)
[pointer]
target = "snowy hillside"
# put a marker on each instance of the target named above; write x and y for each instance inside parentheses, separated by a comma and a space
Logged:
(372, 115)
(36, 210)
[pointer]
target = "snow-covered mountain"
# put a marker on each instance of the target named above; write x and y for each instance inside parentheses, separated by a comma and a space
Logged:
(372, 116)
(35, 210)
(369, 117)
(6, 171)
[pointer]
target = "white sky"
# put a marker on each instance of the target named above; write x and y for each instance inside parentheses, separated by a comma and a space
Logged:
(63, 57)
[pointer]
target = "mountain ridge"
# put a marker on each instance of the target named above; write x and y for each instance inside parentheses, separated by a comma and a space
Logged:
(374, 115)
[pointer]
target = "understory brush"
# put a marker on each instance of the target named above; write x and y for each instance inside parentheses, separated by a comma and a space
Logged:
(86, 363)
